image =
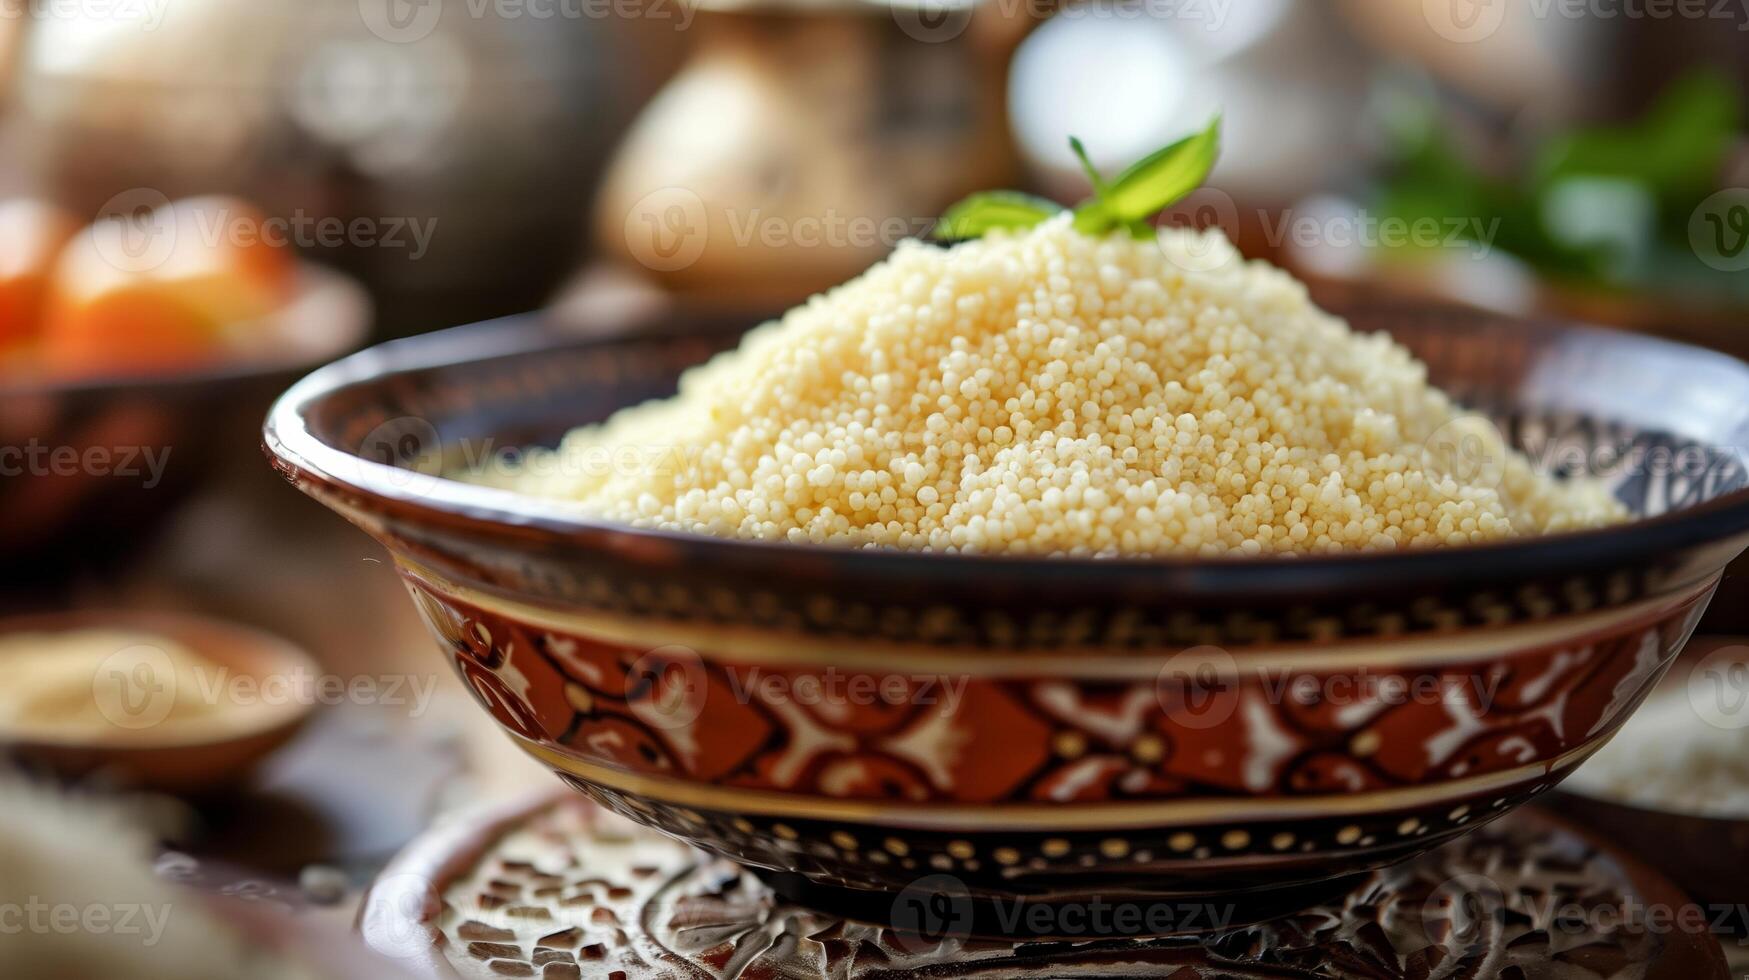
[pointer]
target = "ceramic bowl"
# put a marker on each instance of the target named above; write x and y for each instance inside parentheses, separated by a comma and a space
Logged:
(147, 756)
(90, 466)
(855, 722)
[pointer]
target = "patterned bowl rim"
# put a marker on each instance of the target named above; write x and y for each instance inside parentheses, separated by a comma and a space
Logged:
(301, 456)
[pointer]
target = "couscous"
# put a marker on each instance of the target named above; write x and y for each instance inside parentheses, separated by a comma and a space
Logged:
(1051, 392)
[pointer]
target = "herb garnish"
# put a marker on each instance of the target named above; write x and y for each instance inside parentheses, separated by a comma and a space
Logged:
(1145, 188)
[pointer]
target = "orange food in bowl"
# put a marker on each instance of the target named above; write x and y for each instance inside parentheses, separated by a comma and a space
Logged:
(185, 285)
(32, 234)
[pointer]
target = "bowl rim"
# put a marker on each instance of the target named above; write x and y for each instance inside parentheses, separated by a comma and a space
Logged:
(302, 457)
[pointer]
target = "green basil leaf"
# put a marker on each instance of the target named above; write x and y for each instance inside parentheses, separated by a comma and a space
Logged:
(1094, 218)
(1164, 176)
(989, 210)
(1087, 167)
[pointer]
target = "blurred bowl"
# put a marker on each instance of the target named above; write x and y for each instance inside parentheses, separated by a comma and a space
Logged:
(427, 131)
(1705, 855)
(89, 467)
(1053, 728)
(157, 758)
(1693, 730)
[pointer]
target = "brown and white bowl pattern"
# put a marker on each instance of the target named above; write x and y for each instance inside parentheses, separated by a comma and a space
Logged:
(1036, 775)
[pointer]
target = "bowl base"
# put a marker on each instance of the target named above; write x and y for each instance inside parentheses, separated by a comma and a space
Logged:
(559, 888)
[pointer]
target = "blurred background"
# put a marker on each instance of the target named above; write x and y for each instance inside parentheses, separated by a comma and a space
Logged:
(346, 171)
(469, 158)
(336, 172)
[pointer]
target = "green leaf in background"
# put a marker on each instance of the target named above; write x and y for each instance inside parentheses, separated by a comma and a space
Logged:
(987, 211)
(1163, 177)
(1676, 150)
(1603, 206)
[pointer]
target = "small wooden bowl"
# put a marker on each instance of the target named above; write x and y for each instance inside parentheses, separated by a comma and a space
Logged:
(160, 759)
(1703, 854)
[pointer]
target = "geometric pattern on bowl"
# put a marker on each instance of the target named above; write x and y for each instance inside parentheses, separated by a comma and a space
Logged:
(1048, 785)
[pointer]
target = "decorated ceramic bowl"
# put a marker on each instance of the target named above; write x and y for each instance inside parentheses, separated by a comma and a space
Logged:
(862, 725)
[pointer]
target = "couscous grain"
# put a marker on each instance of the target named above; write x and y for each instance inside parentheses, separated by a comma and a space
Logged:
(1049, 392)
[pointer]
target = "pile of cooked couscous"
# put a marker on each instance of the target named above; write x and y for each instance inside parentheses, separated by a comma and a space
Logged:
(1049, 392)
